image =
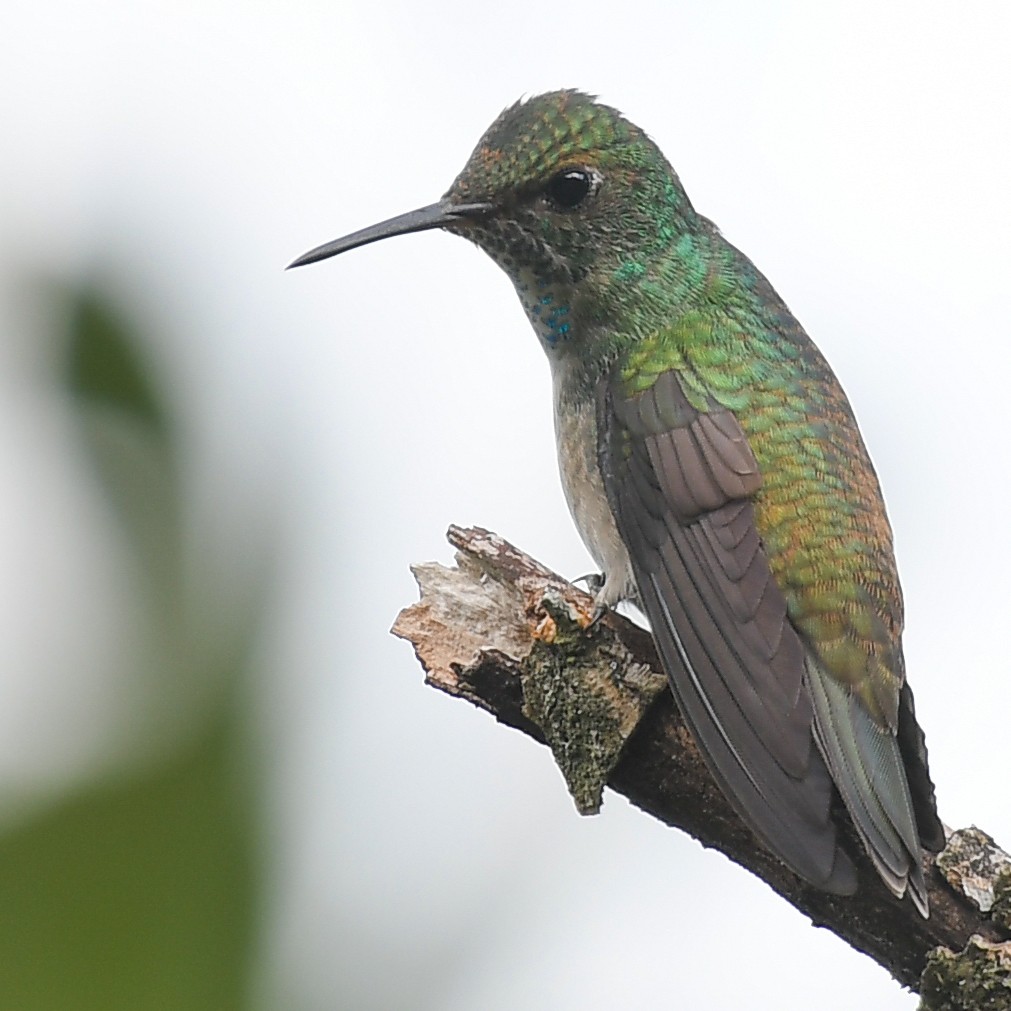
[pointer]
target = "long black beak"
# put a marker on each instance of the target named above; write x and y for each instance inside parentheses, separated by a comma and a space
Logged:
(424, 218)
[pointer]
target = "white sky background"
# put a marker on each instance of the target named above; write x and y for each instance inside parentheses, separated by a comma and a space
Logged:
(857, 151)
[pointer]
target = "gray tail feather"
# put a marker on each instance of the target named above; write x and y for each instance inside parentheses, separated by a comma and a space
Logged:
(868, 769)
(914, 753)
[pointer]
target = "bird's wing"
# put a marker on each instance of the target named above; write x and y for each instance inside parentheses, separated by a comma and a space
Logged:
(680, 483)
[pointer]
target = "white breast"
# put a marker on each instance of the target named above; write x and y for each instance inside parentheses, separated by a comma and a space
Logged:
(576, 431)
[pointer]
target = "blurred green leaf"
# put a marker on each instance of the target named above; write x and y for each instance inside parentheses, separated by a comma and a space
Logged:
(139, 891)
(105, 365)
(133, 895)
(125, 429)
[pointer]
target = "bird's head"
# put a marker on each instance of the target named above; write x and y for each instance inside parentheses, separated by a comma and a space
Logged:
(558, 188)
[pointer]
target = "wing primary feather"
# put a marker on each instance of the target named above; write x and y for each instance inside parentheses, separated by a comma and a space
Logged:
(790, 812)
(765, 689)
(786, 817)
(700, 691)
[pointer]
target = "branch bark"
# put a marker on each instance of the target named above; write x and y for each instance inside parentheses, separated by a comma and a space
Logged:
(510, 636)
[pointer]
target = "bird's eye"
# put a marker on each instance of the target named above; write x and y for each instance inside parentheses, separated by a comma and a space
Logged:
(569, 188)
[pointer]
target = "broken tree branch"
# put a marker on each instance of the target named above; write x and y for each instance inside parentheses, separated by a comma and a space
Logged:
(515, 639)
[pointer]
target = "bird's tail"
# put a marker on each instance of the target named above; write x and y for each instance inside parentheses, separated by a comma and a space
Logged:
(867, 765)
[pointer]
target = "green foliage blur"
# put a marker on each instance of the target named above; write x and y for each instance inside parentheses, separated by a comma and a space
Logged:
(140, 890)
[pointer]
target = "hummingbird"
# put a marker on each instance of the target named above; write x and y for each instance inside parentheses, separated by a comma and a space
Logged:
(715, 471)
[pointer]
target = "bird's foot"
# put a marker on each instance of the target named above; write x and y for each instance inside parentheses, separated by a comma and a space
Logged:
(596, 584)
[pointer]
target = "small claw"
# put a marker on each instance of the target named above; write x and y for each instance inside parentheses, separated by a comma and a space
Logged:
(595, 587)
(594, 582)
(598, 612)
